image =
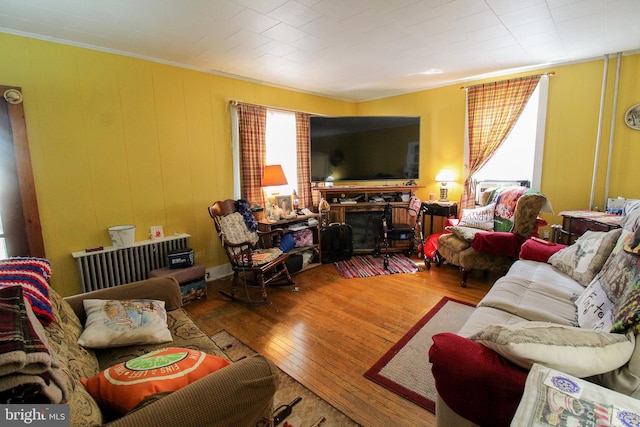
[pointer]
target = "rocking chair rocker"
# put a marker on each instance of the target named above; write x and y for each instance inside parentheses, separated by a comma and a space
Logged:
(265, 264)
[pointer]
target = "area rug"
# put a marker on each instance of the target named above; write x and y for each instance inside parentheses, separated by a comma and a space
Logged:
(369, 265)
(405, 368)
(310, 411)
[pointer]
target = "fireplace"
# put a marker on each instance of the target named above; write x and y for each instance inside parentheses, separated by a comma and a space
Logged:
(365, 226)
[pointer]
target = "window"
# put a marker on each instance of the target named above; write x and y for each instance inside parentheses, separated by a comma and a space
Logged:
(519, 157)
(3, 243)
(281, 147)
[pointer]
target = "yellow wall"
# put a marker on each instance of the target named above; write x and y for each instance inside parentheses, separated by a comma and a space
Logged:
(117, 140)
(570, 138)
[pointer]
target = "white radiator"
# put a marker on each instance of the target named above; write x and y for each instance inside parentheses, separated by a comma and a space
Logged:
(116, 266)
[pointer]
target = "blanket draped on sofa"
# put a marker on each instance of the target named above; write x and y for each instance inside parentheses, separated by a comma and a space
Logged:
(28, 370)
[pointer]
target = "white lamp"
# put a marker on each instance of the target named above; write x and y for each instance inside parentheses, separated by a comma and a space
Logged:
(444, 177)
(329, 181)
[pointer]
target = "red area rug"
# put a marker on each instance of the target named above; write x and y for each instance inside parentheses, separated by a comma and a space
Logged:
(369, 265)
(405, 368)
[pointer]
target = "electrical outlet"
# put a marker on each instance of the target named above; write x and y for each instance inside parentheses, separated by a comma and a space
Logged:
(546, 234)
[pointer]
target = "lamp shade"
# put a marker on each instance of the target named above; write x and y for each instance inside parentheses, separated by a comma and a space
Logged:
(445, 175)
(273, 175)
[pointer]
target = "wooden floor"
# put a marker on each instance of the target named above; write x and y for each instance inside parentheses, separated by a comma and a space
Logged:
(329, 332)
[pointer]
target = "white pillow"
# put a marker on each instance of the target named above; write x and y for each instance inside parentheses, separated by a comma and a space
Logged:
(576, 351)
(113, 323)
(481, 218)
(584, 259)
(594, 310)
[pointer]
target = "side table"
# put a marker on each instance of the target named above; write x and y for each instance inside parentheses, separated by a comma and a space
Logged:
(293, 225)
(435, 209)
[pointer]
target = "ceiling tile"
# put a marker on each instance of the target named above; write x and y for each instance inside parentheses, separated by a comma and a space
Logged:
(355, 49)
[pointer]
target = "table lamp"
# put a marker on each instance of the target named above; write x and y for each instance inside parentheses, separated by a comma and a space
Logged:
(273, 176)
(444, 177)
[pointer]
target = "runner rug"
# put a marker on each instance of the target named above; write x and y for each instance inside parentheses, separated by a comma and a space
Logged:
(405, 368)
(369, 265)
(310, 411)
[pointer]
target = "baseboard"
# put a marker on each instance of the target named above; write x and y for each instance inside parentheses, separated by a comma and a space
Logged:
(219, 272)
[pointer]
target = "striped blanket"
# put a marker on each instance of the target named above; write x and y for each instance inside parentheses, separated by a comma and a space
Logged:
(28, 371)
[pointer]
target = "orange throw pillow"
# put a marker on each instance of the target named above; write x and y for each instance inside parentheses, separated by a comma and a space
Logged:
(123, 386)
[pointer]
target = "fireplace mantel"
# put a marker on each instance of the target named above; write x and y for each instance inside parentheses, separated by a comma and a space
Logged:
(361, 206)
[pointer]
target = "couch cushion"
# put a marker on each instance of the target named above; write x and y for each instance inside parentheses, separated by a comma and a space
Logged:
(485, 316)
(576, 351)
(75, 361)
(535, 291)
(585, 258)
(121, 387)
(116, 323)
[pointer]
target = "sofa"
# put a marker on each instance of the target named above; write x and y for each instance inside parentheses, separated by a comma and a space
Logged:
(574, 309)
(240, 394)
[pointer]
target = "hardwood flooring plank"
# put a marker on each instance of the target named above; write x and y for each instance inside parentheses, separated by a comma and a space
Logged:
(329, 332)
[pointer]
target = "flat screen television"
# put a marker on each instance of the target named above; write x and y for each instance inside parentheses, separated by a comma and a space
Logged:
(365, 148)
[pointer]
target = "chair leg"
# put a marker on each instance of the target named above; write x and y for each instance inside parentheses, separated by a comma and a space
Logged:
(234, 283)
(465, 273)
(286, 272)
(263, 286)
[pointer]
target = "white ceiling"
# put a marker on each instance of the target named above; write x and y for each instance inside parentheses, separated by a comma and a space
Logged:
(346, 49)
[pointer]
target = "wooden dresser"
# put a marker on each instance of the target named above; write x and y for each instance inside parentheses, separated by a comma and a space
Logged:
(576, 222)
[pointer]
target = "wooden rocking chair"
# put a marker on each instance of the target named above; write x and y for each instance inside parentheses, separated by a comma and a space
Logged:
(265, 264)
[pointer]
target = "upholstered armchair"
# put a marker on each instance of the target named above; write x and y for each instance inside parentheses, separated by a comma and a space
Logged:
(489, 238)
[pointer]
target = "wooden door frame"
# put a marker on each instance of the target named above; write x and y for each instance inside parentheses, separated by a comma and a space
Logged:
(24, 170)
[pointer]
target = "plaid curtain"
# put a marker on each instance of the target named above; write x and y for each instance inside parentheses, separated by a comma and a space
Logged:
(303, 148)
(252, 121)
(493, 109)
